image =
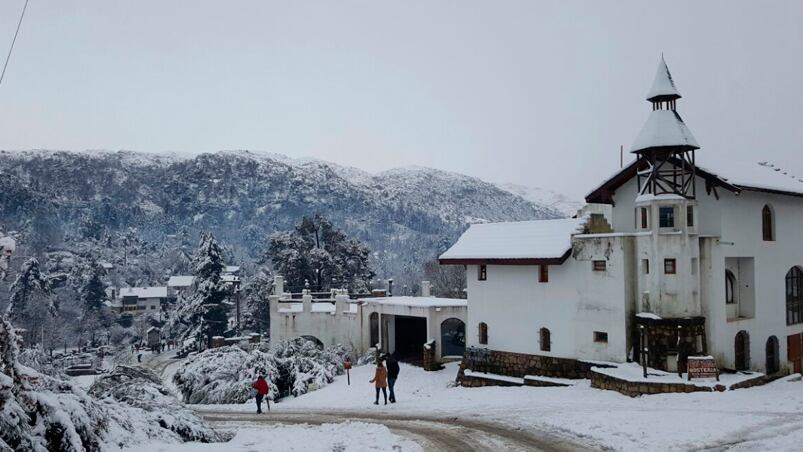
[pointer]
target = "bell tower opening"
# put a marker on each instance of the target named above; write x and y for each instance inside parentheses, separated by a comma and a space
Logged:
(665, 146)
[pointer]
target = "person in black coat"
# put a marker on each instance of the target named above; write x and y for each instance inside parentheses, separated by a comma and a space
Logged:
(393, 373)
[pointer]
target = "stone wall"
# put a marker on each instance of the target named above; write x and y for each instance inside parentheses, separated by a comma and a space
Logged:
(633, 389)
(521, 364)
(478, 382)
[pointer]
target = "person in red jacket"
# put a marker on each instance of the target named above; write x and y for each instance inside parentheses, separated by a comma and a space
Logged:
(262, 389)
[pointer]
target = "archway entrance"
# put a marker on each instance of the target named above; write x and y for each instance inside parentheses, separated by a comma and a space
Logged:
(453, 337)
(741, 348)
(410, 337)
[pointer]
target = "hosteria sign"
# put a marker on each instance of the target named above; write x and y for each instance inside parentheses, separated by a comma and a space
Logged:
(702, 367)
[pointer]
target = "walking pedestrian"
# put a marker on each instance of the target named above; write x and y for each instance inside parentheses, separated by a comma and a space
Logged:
(393, 375)
(380, 381)
(262, 389)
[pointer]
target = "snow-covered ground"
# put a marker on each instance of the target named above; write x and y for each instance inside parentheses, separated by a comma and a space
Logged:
(345, 437)
(761, 418)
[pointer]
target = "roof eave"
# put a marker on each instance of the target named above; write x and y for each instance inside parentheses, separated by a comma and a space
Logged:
(508, 261)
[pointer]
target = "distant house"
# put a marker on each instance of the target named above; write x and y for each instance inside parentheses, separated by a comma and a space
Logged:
(7, 246)
(154, 336)
(137, 300)
(177, 284)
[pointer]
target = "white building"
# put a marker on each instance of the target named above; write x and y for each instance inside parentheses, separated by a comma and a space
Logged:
(139, 300)
(179, 283)
(681, 256)
(401, 325)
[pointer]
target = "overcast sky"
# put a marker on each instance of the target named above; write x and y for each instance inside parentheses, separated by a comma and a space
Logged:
(535, 93)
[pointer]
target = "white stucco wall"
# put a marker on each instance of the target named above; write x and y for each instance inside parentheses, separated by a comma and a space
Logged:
(573, 304)
(734, 222)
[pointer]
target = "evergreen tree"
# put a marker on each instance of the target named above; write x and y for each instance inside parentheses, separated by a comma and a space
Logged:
(318, 253)
(203, 311)
(92, 290)
(30, 286)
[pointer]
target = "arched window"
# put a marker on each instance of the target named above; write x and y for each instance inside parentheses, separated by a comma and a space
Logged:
(767, 224)
(483, 333)
(546, 340)
(794, 296)
(773, 360)
(730, 287)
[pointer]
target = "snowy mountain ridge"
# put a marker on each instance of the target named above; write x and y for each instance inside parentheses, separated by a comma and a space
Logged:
(406, 215)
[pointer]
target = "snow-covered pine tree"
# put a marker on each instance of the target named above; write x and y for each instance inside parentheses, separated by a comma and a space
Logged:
(203, 309)
(30, 286)
(92, 290)
(318, 252)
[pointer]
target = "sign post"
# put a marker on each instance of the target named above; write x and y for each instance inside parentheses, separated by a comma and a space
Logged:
(347, 366)
(702, 367)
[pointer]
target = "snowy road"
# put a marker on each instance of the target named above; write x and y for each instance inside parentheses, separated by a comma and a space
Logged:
(432, 433)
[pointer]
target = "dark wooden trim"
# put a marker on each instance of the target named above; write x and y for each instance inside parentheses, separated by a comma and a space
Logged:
(502, 261)
(771, 191)
(604, 194)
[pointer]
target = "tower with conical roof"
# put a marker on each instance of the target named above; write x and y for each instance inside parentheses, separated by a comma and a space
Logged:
(665, 146)
(667, 246)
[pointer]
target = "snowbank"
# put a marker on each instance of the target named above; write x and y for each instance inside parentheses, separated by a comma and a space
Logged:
(346, 437)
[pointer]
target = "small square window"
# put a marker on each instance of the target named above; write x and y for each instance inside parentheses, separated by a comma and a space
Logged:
(543, 273)
(670, 266)
(600, 266)
(645, 265)
(482, 273)
(666, 217)
(689, 216)
(601, 336)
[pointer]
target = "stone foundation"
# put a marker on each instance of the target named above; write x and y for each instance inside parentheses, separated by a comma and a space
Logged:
(634, 389)
(522, 364)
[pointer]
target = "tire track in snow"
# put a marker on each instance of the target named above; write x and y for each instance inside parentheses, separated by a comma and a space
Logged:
(434, 433)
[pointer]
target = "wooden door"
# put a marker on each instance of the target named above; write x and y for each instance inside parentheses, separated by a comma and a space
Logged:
(794, 351)
(741, 347)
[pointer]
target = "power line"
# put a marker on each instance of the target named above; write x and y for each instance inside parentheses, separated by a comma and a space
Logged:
(13, 41)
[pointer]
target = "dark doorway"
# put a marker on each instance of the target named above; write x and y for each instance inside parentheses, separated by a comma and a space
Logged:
(742, 347)
(794, 351)
(411, 335)
(374, 324)
(773, 362)
(453, 337)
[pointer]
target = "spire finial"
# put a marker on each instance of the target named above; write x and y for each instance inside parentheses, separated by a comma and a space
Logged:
(663, 86)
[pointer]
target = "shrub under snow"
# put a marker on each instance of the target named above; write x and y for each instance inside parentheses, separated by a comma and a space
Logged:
(225, 374)
(40, 413)
(142, 388)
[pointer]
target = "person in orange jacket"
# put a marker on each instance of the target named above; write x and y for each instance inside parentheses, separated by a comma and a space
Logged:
(380, 381)
(262, 389)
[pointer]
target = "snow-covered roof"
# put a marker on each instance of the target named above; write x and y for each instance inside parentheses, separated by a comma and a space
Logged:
(180, 281)
(540, 239)
(423, 302)
(144, 292)
(153, 328)
(107, 265)
(231, 269)
(663, 85)
(756, 175)
(664, 128)
(8, 245)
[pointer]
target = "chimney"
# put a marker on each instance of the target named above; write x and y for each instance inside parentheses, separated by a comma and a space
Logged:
(390, 287)
(278, 285)
(426, 288)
